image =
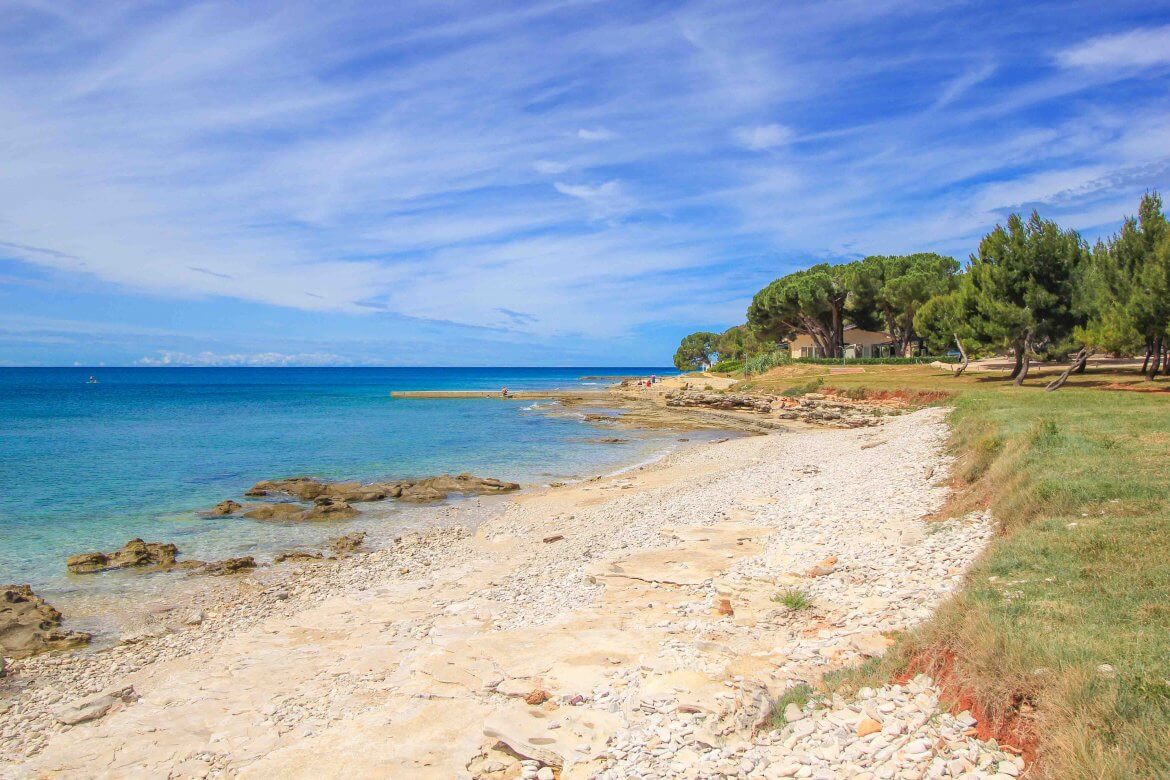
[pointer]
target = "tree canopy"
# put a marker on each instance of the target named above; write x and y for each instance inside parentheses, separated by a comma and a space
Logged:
(695, 351)
(810, 301)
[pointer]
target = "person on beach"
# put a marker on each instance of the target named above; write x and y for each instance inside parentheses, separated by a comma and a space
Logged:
(504, 392)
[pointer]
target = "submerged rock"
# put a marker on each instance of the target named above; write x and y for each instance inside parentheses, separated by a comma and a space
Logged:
(227, 507)
(134, 554)
(30, 625)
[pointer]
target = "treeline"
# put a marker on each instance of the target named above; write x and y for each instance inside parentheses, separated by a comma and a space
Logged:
(1033, 290)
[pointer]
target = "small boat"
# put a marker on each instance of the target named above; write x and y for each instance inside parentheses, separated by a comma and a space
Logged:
(92, 380)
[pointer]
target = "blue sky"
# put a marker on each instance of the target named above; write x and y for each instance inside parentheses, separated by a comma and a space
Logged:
(574, 183)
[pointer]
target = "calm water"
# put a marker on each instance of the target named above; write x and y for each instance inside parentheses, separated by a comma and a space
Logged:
(90, 466)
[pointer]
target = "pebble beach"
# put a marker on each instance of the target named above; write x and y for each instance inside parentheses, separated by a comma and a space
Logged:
(625, 626)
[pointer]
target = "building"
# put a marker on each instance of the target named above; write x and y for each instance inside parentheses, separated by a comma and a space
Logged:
(858, 344)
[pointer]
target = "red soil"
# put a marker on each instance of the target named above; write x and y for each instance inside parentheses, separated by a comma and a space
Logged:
(1013, 728)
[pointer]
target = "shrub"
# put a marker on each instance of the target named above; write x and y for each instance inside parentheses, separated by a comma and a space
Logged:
(727, 366)
(758, 364)
(794, 599)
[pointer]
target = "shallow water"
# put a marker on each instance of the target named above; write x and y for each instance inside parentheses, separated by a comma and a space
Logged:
(88, 466)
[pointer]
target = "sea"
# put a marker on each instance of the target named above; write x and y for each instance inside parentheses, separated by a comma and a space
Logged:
(141, 452)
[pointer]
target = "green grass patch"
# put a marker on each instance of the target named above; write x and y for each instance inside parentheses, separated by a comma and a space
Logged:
(794, 599)
(800, 695)
(804, 388)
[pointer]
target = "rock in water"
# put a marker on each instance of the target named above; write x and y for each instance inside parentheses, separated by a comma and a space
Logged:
(326, 508)
(29, 625)
(227, 507)
(296, 555)
(341, 545)
(229, 566)
(134, 554)
(274, 512)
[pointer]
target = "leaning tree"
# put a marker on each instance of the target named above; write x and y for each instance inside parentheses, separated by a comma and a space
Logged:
(811, 301)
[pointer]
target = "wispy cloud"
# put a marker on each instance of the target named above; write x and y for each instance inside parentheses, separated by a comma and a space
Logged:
(1140, 47)
(344, 174)
(596, 134)
(761, 137)
(259, 359)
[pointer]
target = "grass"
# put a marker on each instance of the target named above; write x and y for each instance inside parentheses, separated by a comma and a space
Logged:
(804, 388)
(1078, 577)
(799, 694)
(794, 599)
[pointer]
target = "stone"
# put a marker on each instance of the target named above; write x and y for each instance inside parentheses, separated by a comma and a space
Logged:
(537, 696)
(296, 555)
(275, 511)
(228, 566)
(94, 707)
(134, 554)
(793, 713)
(227, 507)
(29, 625)
(868, 726)
(544, 773)
(343, 545)
(551, 539)
(325, 508)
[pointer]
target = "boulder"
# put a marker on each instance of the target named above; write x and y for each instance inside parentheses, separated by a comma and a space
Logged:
(281, 511)
(329, 509)
(29, 625)
(227, 507)
(134, 554)
(438, 488)
(342, 545)
(228, 566)
(304, 488)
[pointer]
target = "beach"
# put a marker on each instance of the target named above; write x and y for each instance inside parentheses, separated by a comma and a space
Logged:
(621, 626)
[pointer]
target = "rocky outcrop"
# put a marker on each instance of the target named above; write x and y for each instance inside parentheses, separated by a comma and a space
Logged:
(296, 555)
(227, 507)
(29, 625)
(343, 545)
(95, 707)
(281, 511)
(228, 566)
(332, 499)
(134, 554)
(438, 488)
(752, 403)
(325, 508)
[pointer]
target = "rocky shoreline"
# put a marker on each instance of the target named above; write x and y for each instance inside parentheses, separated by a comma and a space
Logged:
(622, 626)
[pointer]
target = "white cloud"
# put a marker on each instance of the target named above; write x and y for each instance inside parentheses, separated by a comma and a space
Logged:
(605, 200)
(763, 137)
(596, 134)
(550, 168)
(1136, 48)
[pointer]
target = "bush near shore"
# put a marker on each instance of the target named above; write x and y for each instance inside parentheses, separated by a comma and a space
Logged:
(1060, 642)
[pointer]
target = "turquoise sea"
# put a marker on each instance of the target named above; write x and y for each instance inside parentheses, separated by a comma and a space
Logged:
(140, 453)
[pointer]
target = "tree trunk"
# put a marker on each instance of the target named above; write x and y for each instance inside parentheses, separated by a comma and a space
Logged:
(838, 333)
(962, 352)
(1019, 350)
(1077, 365)
(1156, 359)
(1146, 362)
(1025, 360)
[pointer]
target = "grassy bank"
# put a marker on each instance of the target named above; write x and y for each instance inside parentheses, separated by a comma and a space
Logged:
(1062, 636)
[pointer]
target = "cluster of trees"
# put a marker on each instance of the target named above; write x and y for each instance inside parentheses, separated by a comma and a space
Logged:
(1033, 290)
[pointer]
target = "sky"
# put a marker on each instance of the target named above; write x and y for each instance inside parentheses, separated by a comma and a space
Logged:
(528, 183)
